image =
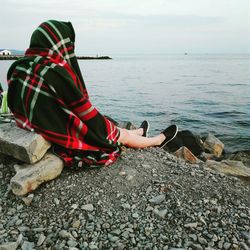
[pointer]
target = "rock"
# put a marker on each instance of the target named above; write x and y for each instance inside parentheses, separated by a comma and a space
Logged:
(29, 177)
(9, 246)
(206, 156)
(28, 245)
(213, 145)
(158, 199)
(88, 207)
(202, 240)
(227, 245)
(19, 239)
(243, 156)
(193, 237)
(65, 235)
(106, 225)
(161, 213)
(72, 243)
(126, 125)
(93, 247)
(197, 247)
(76, 224)
(27, 200)
(41, 239)
(21, 144)
(74, 206)
(191, 225)
(57, 202)
(235, 168)
(125, 206)
(135, 215)
(187, 155)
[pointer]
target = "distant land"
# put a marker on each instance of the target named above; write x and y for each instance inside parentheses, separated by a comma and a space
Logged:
(16, 54)
(15, 51)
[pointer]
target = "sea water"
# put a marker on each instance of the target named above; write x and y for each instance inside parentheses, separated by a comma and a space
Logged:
(203, 93)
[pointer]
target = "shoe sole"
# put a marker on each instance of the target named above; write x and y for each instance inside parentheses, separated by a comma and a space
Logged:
(146, 132)
(171, 135)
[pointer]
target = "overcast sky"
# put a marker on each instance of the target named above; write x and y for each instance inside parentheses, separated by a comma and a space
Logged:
(134, 26)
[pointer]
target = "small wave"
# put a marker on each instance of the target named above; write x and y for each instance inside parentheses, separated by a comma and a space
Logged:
(243, 123)
(152, 114)
(237, 84)
(224, 114)
(201, 102)
(189, 75)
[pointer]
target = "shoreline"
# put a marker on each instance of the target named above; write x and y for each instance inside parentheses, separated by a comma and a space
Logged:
(15, 57)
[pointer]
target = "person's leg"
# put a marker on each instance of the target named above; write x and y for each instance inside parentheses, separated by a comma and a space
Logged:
(142, 130)
(138, 131)
(133, 140)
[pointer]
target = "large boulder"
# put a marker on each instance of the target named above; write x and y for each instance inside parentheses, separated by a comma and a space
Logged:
(229, 167)
(21, 144)
(213, 145)
(29, 177)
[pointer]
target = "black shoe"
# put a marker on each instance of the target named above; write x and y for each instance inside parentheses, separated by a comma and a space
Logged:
(170, 134)
(145, 126)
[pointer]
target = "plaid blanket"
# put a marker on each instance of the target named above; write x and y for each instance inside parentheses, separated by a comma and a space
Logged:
(47, 94)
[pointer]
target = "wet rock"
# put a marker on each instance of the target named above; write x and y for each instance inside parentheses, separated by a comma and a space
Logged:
(213, 145)
(21, 144)
(29, 177)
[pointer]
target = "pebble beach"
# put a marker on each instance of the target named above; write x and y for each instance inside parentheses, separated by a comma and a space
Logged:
(148, 199)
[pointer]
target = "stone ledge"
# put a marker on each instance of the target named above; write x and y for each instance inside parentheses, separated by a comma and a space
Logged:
(23, 145)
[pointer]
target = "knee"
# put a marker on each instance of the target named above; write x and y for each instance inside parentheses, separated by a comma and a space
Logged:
(124, 136)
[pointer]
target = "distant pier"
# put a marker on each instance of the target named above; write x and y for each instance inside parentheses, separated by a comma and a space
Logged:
(15, 57)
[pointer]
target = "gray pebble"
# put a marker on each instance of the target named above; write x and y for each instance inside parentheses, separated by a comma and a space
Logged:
(41, 239)
(65, 235)
(106, 225)
(135, 215)
(88, 207)
(72, 243)
(57, 202)
(8, 246)
(93, 247)
(161, 213)
(28, 245)
(197, 247)
(157, 199)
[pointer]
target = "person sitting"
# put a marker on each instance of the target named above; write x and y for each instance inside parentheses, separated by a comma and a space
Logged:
(47, 94)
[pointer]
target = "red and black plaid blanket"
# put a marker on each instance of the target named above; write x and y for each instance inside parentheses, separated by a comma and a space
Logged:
(47, 94)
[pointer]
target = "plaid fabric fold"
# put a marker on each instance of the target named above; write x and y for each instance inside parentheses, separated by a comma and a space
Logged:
(47, 94)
